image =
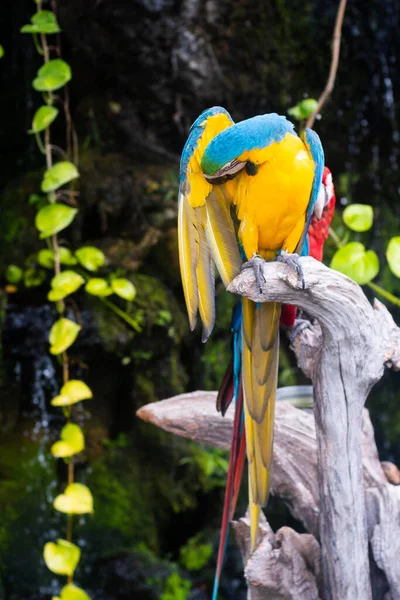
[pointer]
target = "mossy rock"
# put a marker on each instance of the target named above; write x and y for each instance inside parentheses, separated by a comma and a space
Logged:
(123, 200)
(27, 487)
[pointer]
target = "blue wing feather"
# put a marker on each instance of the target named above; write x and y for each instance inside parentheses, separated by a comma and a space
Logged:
(314, 146)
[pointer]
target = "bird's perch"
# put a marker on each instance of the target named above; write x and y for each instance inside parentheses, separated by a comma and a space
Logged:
(328, 473)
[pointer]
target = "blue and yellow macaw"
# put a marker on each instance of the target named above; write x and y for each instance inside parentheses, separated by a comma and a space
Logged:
(247, 191)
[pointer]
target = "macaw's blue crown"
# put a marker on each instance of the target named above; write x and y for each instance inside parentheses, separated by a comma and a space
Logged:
(255, 133)
(195, 132)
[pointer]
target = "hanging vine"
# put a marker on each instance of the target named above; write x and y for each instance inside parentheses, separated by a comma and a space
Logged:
(56, 210)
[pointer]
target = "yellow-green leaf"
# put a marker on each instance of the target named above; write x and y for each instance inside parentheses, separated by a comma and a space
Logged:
(61, 557)
(393, 255)
(54, 218)
(43, 118)
(72, 441)
(64, 284)
(62, 335)
(1, 51)
(72, 592)
(123, 288)
(77, 499)
(52, 76)
(44, 21)
(34, 277)
(55, 295)
(303, 109)
(98, 287)
(358, 217)
(90, 257)
(46, 257)
(76, 391)
(60, 400)
(58, 175)
(356, 262)
(13, 274)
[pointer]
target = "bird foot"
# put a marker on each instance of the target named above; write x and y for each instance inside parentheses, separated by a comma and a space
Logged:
(257, 264)
(299, 326)
(293, 261)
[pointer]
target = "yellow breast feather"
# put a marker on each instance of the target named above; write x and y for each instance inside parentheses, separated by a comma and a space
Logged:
(272, 204)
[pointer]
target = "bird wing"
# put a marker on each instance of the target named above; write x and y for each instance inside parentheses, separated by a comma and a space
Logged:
(314, 148)
(206, 233)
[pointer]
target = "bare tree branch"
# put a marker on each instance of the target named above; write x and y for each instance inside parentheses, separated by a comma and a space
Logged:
(337, 35)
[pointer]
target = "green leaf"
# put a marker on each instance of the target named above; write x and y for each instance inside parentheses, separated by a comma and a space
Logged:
(13, 274)
(393, 255)
(62, 335)
(45, 257)
(34, 277)
(90, 257)
(58, 175)
(356, 262)
(38, 201)
(98, 287)
(77, 499)
(72, 441)
(72, 392)
(52, 76)
(123, 288)
(43, 118)
(303, 109)
(1, 51)
(46, 21)
(43, 21)
(72, 592)
(61, 557)
(295, 112)
(358, 217)
(66, 257)
(308, 107)
(54, 218)
(64, 284)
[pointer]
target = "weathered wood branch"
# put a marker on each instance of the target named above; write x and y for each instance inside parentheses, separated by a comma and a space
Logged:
(344, 352)
(294, 479)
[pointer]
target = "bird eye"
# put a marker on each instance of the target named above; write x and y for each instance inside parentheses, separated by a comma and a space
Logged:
(251, 168)
(228, 171)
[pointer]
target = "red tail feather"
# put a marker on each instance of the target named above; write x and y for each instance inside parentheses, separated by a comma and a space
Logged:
(237, 437)
(225, 393)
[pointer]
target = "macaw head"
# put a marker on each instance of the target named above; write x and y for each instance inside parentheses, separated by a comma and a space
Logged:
(238, 147)
(326, 194)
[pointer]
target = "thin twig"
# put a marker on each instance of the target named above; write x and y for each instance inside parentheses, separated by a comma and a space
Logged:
(337, 35)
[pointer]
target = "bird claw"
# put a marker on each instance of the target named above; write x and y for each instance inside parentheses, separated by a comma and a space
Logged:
(257, 264)
(299, 326)
(293, 261)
